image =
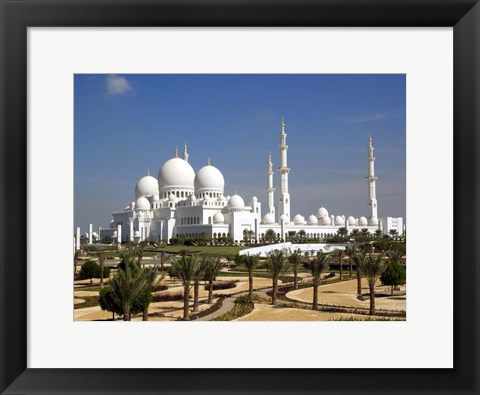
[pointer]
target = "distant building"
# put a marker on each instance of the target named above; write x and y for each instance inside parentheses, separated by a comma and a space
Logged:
(182, 203)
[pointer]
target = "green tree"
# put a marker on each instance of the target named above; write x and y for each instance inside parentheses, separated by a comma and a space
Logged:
(317, 266)
(185, 269)
(198, 275)
(212, 267)
(342, 233)
(108, 302)
(270, 236)
(357, 256)
(295, 259)
(378, 233)
(128, 285)
(90, 270)
(339, 255)
(276, 264)
(372, 268)
(349, 251)
(393, 275)
(250, 262)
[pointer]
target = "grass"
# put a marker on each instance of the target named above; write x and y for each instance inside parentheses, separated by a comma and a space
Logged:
(204, 250)
(242, 307)
(90, 301)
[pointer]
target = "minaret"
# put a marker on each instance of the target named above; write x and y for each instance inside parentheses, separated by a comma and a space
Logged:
(372, 198)
(270, 188)
(185, 153)
(283, 170)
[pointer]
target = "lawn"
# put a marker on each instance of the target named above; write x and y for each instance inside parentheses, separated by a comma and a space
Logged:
(204, 250)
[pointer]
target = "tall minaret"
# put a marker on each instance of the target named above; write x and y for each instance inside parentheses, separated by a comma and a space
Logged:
(372, 198)
(283, 170)
(270, 188)
(185, 153)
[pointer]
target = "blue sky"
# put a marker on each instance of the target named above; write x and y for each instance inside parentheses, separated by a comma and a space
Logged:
(126, 124)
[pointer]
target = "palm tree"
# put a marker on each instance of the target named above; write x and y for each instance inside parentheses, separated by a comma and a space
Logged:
(349, 251)
(358, 256)
(295, 258)
(250, 262)
(355, 233)
(342, 233)
(372, 268)
(212, 266)
(317, 267)
(340, 262)
(199, 274)
(151, 275)
(276, 264)
(101, 260)
(127, 285)
(185, 269)
(393, 233)
(270, 236)
(378, 233)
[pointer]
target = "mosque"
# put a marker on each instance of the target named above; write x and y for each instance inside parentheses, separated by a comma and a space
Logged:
(182, 203)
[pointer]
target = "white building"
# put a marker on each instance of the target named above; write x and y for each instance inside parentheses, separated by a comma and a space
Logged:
(183, 203)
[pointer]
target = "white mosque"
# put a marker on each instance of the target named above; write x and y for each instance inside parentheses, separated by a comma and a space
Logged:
(182, 203)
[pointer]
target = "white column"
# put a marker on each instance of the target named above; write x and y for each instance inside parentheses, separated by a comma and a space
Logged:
(78, 238)
(90, 231)
(131, 230)
(119, 234)
(371, 179)
(283, 170)
(270, 188)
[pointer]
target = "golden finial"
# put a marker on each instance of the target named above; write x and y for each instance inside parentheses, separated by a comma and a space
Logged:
(283, 122)
(208, 163)
(185, 144)
(176, 152)
(148, 172)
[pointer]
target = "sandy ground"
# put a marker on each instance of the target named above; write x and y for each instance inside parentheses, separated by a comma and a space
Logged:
(344, 294)
(263, 312)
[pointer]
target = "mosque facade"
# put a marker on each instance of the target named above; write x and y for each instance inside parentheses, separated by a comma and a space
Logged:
(182, 203)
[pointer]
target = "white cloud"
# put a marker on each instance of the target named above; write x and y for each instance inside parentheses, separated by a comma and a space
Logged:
(117, 85)
(367, 118)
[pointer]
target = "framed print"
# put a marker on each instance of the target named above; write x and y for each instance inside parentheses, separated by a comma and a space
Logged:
(92, 92)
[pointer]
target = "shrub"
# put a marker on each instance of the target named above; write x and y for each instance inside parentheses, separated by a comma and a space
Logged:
(159, 287)
(222, 285)
(90, 269)
(394, 274)
(167, 297)
(107, 301)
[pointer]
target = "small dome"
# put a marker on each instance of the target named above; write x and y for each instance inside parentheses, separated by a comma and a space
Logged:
(137, 234)
(95, 235)
(115, 234)
(322, 212)
(172, 197)
(312, 220)
(236, 201)
(362, 221)
(222, 198)
(268, 219)
(142, 203)
(374, 221)
(339, 220)
(209, 177)
(218, 218)
(176, 172)
(156, 198)
(351, 221)
(326, 220)
(285, 218)
(254, 199)
(147, 186)
(299, 219)
(207, 198)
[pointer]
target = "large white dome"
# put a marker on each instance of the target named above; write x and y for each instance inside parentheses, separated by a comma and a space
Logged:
(362, 221)
(299, 219)
(339, 220)
(268, 219)
(218, 218)
(326, 220)
(374, 221)
(176, 172)
(209, 178)
(146, 186)
(352, 221)
(236, 201)
(312, 220)
(142, 203)
(322, 212)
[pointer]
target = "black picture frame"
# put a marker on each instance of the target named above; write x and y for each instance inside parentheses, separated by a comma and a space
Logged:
(18, 15)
